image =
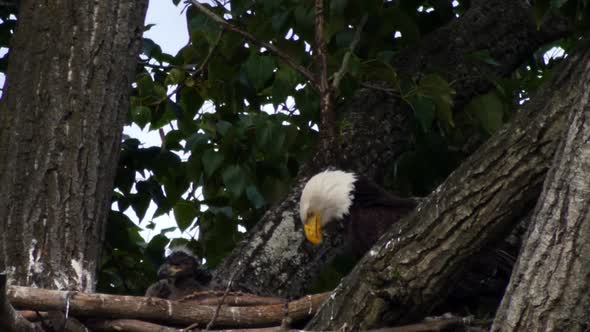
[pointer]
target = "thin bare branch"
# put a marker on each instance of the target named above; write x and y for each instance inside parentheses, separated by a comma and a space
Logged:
(220, 303)
(327, 116)
(273, 49)
(211, 51)
(345, 62)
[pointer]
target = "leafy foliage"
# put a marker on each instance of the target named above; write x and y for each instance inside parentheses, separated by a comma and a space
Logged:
(237, 122)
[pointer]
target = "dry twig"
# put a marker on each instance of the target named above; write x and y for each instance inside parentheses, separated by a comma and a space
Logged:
(346, 60)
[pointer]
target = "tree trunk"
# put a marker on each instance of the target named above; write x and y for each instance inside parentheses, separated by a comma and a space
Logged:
(549, 287)
(274, 259)
(416, 263)
(66, 98)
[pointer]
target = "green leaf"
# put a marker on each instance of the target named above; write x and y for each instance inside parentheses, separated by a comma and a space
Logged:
(219, 236)
(485, 57)
(489, 110)
(194, 168)
(141, 115)
(557, 3)
(239, 7)
(378, 70)
(234, 179)
(279, 20)
(162, 117)
(176, 76)
(441, 93)
(201, 23)
(157, 245)
(263, 134)
(174, 108)
(219, 69)
(436, 87)
(140, 203)
(424, 110)
(211, 161)
(285, 81)
(259, 69)
(223, 127)
(337, 7)
(540, 9)
(150, 48)
(197, 141)
(226, 211)
(402, 22)
(278, 140)
(190, 101)
(185, 213)
(172, 140)
(255, 197)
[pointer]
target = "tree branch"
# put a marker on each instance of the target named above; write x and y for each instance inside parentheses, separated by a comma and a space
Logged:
(328, 118)
(235, 299)
(231, 280)
(415, 263)
(153, 309)
(10, 319)
(129, 325)
(346, 60)
(273, 49)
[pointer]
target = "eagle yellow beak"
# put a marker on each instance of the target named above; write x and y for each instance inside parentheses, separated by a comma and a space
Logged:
(168, 271)
(313, 228)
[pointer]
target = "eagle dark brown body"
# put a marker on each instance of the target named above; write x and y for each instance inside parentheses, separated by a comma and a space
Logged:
(365, 209)
(179, 276)
(372, 212)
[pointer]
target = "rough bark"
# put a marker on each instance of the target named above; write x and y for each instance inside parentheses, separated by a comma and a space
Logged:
(274, 259)
(66, 97)
(414, 265)
(549, 287)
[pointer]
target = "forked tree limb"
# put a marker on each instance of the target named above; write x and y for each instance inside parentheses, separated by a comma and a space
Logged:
(548, 290)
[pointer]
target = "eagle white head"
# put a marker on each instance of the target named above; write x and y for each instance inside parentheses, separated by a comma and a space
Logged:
(326, 197)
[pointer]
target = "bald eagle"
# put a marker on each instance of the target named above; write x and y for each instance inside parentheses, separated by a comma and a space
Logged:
(366, 209)
(180, 275)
